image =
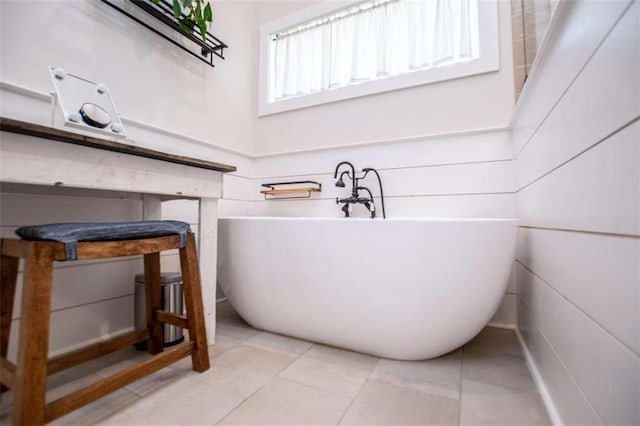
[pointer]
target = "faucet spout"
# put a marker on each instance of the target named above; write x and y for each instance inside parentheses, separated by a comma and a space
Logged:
(340, 182)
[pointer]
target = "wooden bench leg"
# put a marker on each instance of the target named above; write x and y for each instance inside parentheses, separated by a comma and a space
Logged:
(8, 278)
(153, 302)
(193, 304)
(31, 369)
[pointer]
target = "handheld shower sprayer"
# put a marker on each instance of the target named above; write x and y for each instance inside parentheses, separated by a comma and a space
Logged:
(366, 170)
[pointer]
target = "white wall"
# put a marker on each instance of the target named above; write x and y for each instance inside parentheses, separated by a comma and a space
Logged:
(462, 175)
(576, 137)
(451, 106)
(145, 73)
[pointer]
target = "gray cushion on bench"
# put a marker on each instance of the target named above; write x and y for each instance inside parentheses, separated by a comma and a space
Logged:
(71, 233)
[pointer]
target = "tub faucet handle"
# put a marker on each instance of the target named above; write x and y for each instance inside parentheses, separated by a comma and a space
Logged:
(371, 206)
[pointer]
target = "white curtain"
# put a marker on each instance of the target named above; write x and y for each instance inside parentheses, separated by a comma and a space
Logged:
(388, 37)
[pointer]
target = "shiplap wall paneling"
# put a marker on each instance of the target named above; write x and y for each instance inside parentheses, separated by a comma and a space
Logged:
(577, 166)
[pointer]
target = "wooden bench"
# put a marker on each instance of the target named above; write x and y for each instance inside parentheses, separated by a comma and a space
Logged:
(27, 377)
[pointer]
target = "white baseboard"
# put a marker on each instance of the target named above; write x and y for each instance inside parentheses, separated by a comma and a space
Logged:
(502, 325)
(537, 378)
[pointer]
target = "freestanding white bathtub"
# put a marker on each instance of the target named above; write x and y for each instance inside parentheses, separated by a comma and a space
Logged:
(405, 289)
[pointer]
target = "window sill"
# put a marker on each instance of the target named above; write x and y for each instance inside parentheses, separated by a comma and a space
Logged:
(485, 64)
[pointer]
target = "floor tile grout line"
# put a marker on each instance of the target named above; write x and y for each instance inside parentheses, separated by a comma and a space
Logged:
(238, 343)
(306, 385)
(241, 342)
(263, 385)
(352, 398)
(232, 410)
(318, 388)
(492, 354)
(359, 391)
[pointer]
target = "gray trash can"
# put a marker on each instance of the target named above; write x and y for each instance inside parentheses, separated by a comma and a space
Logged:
(172, 301)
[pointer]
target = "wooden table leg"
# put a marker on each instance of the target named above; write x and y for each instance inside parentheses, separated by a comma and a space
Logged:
(208, 253)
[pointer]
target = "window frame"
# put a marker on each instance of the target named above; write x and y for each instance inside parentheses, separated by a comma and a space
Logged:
(489, 61)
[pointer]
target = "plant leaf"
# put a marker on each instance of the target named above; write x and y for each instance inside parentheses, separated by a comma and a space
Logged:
(208, 13)
(187, 25)
(155, 1)
(177, 9)
(197, 16)
(187, 3)
(203, 29)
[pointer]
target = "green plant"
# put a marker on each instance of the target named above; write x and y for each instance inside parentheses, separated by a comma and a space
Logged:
(192, 14)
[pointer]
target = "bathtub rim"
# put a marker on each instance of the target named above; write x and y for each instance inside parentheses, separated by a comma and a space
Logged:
(363, 219)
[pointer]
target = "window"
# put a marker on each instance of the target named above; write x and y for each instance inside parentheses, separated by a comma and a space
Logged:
(321, 55)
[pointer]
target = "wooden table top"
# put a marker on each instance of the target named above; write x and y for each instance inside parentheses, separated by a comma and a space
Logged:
(31, 129)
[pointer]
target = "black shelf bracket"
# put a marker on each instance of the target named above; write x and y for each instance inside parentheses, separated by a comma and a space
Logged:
(163, 12)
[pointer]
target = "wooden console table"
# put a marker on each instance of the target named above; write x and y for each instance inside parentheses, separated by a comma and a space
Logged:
(40, 159)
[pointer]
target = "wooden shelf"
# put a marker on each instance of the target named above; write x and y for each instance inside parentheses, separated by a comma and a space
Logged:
(272, 190)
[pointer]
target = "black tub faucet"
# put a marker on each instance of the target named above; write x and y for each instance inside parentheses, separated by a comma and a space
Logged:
(355, 197)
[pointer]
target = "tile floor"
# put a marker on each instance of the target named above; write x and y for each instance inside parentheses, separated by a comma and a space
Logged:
(263, 378)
